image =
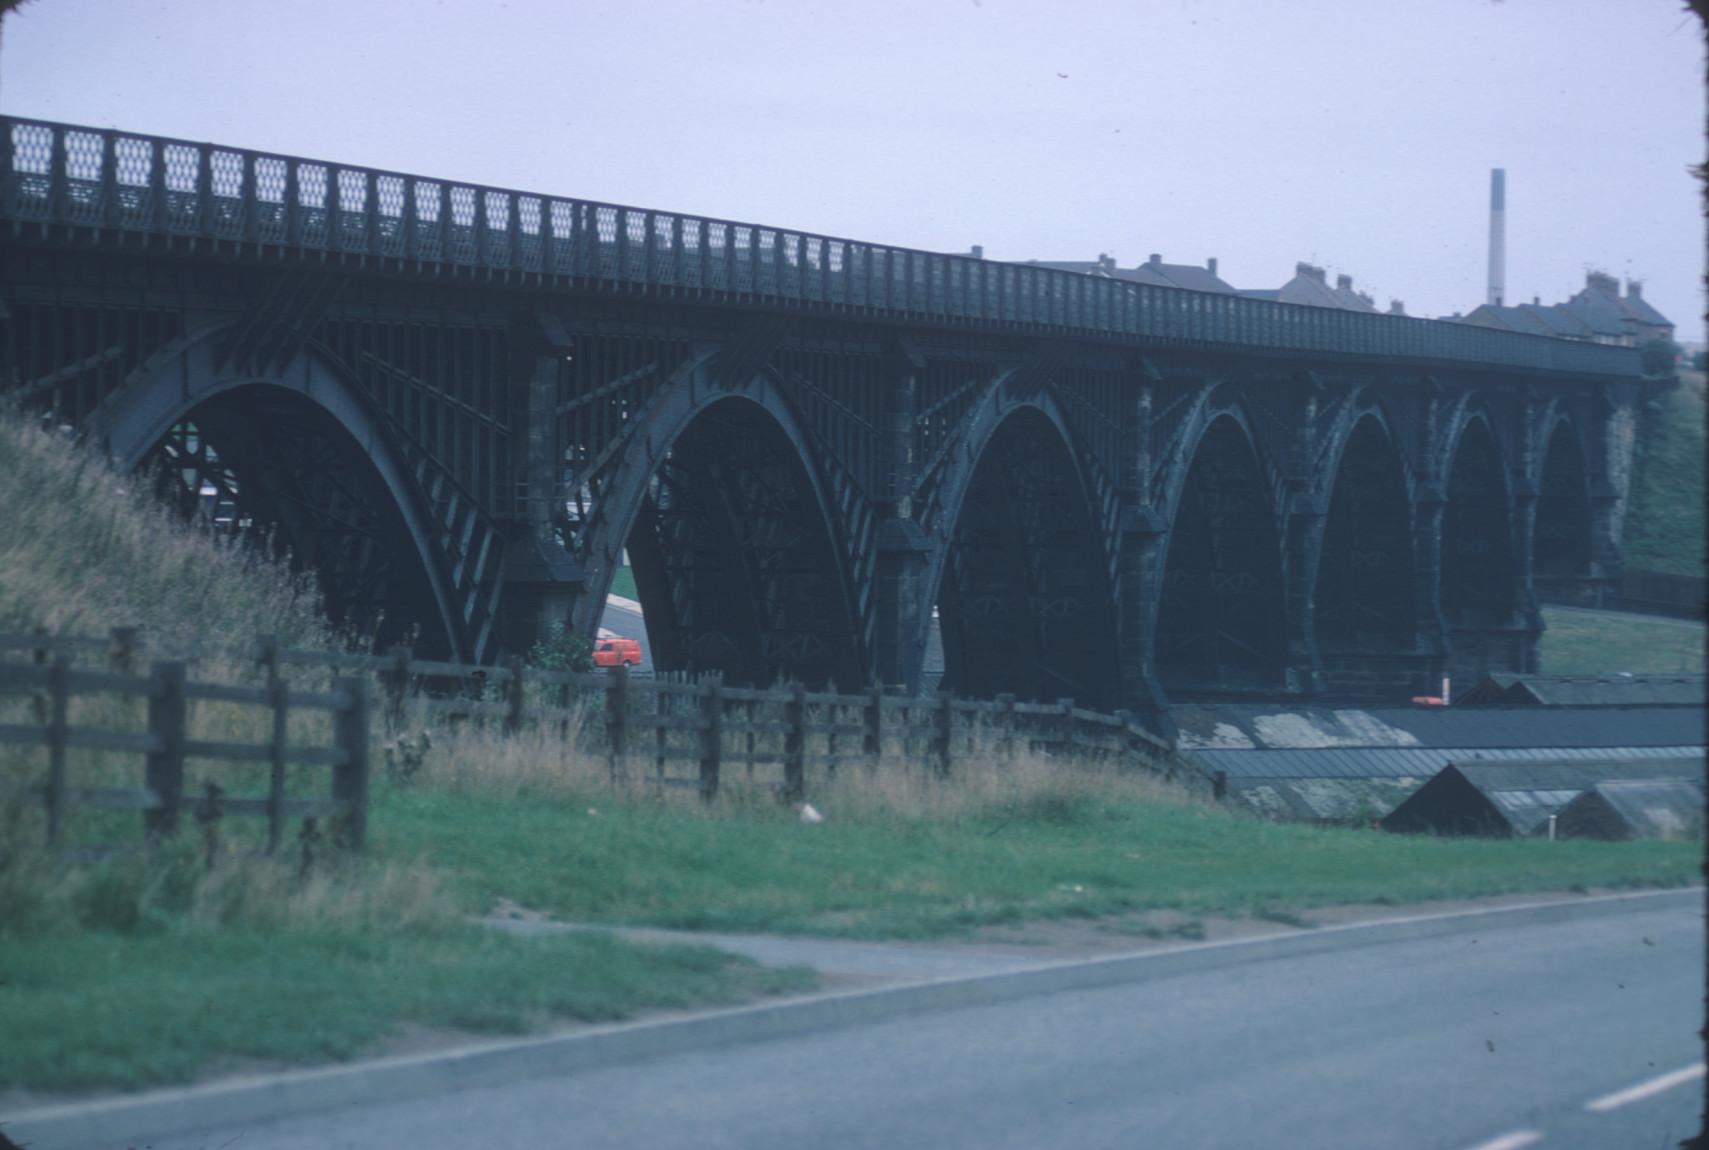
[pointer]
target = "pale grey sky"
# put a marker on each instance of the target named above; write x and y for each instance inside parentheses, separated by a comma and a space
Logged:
(1355, 133)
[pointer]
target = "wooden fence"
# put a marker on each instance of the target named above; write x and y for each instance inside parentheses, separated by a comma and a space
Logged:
(51, 682)
(1661, 593)
(666, 731)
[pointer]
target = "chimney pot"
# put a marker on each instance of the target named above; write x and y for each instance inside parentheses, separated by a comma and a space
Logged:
(978, 251)
(1345, 282)
(1210, 265)
(1155, 260)
(1635, 289)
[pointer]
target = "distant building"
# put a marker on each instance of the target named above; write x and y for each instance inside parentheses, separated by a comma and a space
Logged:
(1329, 763)
(1597, 314)
(1515, 799)
(1310, 286)
(1649, 690)
(1153, 271)
(1670, 808)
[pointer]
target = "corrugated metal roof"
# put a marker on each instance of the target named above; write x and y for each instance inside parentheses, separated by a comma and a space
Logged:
(1638, 808)
(1267, 726)
(1577, 774)
(1337, 800)
(1466, 797)
(1587, 690)
(1416, 762)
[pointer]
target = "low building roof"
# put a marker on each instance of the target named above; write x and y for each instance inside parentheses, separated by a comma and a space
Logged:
(1635, 808)
(1270, 726)
(1517, 797)
(1679, 689)
(1348, 763)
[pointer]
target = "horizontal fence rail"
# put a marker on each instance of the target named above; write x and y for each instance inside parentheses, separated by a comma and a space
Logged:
(165, 744)
(90, 178)
(677, 732)
(1662, 593)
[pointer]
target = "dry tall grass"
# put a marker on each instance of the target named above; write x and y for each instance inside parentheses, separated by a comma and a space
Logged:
(544, 760)
(84, 549)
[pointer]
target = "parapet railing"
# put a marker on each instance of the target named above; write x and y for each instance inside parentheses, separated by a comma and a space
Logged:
(62, 174)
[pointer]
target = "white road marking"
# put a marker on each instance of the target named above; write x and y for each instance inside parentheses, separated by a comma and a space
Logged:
(1645, 1090)
(1511, 1141)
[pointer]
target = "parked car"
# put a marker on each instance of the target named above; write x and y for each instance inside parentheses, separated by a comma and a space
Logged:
(616, 652)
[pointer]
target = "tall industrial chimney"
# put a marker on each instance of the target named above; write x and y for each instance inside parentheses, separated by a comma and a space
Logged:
(1497, 235)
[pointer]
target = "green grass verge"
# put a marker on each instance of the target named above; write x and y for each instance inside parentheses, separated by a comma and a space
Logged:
(1664, 522)
(87, 1009)
(908, 878)
(1581, 643)
(623, 583)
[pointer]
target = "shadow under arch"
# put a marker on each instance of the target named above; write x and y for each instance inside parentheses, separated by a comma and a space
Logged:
(1560, 541)
(293, 454)
(1221, 625)
(736, 554)
(1478, 581)
(1364, 593)
(1023, 592)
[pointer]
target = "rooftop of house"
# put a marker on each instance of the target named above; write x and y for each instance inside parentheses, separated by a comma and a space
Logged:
(1686, 690)
(1342, 763)
(1191, 277)
(1597, 311)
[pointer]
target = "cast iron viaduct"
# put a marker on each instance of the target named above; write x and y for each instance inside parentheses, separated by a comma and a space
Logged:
(460, 405)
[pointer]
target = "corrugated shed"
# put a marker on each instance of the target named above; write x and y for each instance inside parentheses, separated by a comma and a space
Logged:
(1352, 764)
(1635, 808)
(1516, 798)
(1260, 726)
(1411, 762)
(1672, 690)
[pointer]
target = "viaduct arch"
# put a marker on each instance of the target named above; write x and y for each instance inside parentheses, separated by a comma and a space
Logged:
(464, 418)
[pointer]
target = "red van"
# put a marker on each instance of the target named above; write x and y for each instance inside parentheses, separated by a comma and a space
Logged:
(616, 652)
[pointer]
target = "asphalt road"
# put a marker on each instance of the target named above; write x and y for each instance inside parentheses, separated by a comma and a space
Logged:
(1551, 1036)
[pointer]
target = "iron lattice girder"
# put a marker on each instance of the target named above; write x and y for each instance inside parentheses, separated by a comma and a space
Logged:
(885, 437)
(69, 182)
(295, 482)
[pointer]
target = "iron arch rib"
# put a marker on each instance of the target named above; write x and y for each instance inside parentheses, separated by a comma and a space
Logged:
(1220, 616)
(1021, 575)
(738, 558)
(305, 459)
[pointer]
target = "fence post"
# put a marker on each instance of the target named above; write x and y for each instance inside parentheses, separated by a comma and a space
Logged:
(712, 736)
(661, 733)
(873, 743)
(59, 703)
(1219, 785)
(165, 770)
(268, 655)
(39, 655)
(751, 712)
(278, 697)
(1067, 706)
(832, 714)
(795, 745)
(943, 719)
(617, 718)
(513, 695)
(1006, 725)
(1125, 742)
(350, 778)
(122, 657)
(395, 680)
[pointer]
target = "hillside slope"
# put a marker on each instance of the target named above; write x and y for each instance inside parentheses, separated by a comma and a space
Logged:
(1664, 522)
(84, 549)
